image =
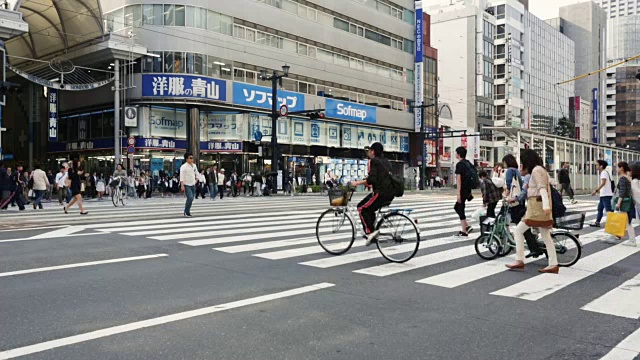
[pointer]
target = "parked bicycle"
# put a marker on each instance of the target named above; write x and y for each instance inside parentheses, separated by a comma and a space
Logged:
(336, 229)
(496, 239)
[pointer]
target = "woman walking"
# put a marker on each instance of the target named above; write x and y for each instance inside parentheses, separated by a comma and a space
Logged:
(75, 171)
(635, 191)
(538, 213)
(625, 197)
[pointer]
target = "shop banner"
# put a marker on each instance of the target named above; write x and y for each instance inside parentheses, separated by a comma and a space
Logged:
(349, 136)
(333, 135)
(221, 146)
(346, 110)
(158, 143)
(318, 135)
(393, 145)
(404, 142)
(284, 130)
(300, 132)
(224, 127)
(167, 122)
(183, 86)
(53, 115)
(83, 128)
(97, 144)
(259, 96)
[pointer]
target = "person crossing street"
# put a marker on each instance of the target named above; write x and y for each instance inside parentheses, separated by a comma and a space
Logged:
(565, 182)
(188, 176)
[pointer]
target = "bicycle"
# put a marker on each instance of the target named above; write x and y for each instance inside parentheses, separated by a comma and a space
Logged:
(119, 195)
(498, 241)
(336, 229)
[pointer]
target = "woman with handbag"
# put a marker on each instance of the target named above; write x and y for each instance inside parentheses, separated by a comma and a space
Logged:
(623, 200)
(538, 214)
(75, 172)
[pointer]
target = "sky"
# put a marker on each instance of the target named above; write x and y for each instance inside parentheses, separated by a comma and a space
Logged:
(546, 9)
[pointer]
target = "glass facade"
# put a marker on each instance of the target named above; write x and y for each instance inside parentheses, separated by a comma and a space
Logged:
(627, 107)
(623, 41)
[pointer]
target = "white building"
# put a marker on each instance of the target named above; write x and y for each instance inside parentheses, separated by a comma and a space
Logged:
(620, 8)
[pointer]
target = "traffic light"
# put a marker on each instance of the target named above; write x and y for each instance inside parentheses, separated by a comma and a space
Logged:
(316, 115)
(7, 88)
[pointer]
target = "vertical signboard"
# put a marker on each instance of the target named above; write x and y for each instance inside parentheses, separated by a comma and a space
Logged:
(419, 68)
(595, 108)
(53, 114)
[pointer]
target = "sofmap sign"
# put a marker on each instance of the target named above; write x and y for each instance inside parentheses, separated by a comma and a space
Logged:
(53, 115)
(259, 96)
(184, 86)
(350, 111)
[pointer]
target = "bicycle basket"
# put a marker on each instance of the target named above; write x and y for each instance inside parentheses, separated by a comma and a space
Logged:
(338, 197)
(486, 224)
(572, 220)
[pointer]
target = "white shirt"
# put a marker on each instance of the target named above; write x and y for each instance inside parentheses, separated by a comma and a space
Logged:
(202, 179)
(60, 177)
(606, 190)
(188, 174)
(635, 191)
(40, 181)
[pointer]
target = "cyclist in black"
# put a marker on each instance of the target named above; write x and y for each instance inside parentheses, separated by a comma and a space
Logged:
(379, 179)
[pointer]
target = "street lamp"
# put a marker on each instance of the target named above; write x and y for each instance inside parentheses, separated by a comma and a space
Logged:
(275, 79)
(423, 166)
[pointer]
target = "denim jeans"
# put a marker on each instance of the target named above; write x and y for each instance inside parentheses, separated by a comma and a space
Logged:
(605, 203)
(39, 195)
(190, 191)
(213, 191)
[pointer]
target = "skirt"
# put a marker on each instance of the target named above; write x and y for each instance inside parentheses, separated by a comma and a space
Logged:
(535, 216)
(100, 187)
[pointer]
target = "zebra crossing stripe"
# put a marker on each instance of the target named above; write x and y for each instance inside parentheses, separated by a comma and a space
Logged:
(266, 245)
(546, 284)
(226, 225)
(628, 349)
(623, 301)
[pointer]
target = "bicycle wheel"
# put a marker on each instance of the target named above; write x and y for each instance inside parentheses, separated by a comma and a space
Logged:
(488, 247)
(123, 198)
(115, 196)
(568, 248)
(335, 231)
(399, 239)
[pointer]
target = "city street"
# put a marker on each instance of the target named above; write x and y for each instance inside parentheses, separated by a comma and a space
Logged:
(246, 279)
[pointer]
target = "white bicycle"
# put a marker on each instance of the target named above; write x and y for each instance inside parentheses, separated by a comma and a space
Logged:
(119, 195)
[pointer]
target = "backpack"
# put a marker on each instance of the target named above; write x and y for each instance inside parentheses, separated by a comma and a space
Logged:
(558, 209)
(471, 179)
(397, 185)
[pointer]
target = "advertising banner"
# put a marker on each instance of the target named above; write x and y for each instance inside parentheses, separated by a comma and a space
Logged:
(183, 86)
(300, 132)
(393, 143)
(259, 96)
(333, 135)
(167, 122)
(224, 126)
(318, 133)
(595, 108)
(53, 115)
(284, 131)
(346, 110)
(404, 142)
(349, 136)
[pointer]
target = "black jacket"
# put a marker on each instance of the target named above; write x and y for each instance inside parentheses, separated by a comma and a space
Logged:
(5, 180)
(379, 175)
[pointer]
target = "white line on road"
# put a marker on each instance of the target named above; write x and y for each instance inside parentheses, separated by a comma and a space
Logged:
(64, 237)
(90, 263)
(266, 245)
(63, 232)
(36, 348)
(628, 349)
(622, 301)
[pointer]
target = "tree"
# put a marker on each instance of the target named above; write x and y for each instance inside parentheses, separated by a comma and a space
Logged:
(565, 128)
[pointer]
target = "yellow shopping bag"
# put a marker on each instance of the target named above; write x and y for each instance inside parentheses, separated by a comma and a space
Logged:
(616, 223)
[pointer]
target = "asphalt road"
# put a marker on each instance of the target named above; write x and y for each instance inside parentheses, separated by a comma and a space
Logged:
(245, 279)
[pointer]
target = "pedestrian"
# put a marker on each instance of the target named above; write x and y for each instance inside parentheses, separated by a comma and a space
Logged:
(74, 173)
(52, 181)
(625, 197)
(635, 190)
(565, 182)
(142, 185)
(93, 182)
(60, 183)
(246, 184)
(212, 182)
(512, 177)
(40, 185)
(491, 194)
(538, 214)
(17, 187)
(101, 186)
(201, 186)
(188, 176)
(221, 182)
(5, 187)
(329, 179)
(465, 183)
(606, 192)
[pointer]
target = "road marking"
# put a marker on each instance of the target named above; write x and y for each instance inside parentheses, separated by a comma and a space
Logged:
(266, 245)
(485, 269)
(48, 345)
(623, 301)
(66, 231)
(34, 228)
(628, 349)
(418, 262)
(546, 284)
(64, 237)
(84, 264)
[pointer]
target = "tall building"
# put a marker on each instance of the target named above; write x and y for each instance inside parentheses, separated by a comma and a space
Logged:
(200, 88)
(610, 106)
(620, 8)
(627, 107)
(585, 23)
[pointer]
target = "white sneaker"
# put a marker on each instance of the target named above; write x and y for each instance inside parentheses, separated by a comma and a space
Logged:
(630, 243)
(372, 237)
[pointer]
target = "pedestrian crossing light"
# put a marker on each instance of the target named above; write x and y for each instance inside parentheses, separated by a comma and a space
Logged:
(316, 115)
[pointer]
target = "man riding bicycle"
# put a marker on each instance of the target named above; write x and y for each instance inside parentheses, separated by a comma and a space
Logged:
(379, 179)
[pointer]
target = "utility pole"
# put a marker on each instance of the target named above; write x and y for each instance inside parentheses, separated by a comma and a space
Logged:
(116, 114)
(423, 165)
(275, 80)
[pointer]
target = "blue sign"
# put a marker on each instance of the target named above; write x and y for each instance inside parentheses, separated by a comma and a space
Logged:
(259, 96)
(184, 86)
(350, 111)
(53, 114)
(404, 143)
(595, 116)
(159, 143)
(221, 146)
(419, 39)
(89, 145)
(257, 135)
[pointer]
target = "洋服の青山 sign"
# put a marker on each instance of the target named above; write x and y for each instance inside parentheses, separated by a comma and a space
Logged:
(184, 86)
(350, 111)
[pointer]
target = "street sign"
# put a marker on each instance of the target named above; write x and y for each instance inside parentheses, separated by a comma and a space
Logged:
(7, 157)
(284, 110)
(131, 149)
(130, 116)
(131, 141)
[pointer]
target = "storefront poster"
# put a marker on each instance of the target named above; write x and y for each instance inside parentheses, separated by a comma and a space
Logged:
(318, 130)
(224, 127)
(345, 110)
(404, 142)
(259, 96)
(284, 131)
(333, 135)
(168, 122)
(221, 146)
(183, 86)
(259, 124)
(392, 141)
(157, 165)
(300, 132)
(349, 136)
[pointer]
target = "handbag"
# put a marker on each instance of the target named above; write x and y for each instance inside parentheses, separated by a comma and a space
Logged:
(626, 205)
(31, 194)
(515, 191)
(616, 223)
(498, 182)
(535, 215)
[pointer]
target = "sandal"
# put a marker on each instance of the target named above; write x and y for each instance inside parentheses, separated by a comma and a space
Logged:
(84, 212)
(65, 210)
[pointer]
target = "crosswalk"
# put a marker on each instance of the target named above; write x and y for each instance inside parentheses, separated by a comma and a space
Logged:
(283, 228)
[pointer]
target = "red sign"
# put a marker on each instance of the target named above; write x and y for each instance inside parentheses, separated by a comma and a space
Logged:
(464, 141)
(441, 141)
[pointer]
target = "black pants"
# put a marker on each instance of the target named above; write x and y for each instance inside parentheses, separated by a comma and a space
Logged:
(491, 210)
(459, 207)
(367, 209)
(221, 190)
(567, 187)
